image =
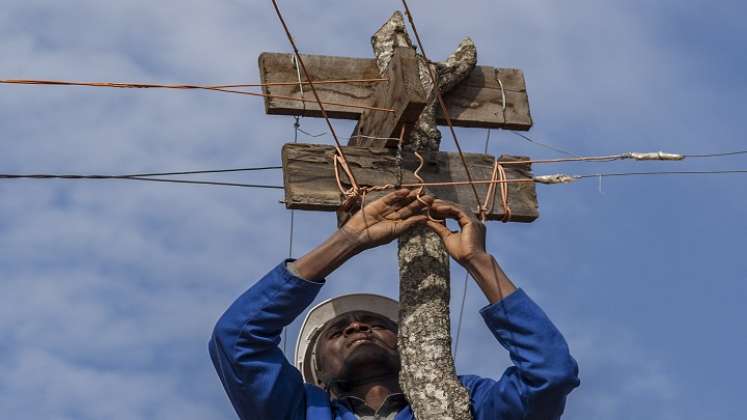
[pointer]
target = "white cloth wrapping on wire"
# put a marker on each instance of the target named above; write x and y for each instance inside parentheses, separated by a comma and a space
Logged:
(555, 179)
(653, 156)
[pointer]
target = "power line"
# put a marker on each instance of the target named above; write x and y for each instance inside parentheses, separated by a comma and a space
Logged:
(211, 171)
(708, 155)
(565, 152)
(140, 175)
(546, 178)
(712, 172)
(71, 177)
(640, 156)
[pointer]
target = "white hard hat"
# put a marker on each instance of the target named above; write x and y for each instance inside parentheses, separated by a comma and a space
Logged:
(328, 310)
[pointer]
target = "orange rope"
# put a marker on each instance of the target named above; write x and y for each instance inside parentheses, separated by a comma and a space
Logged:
(422, 187)
(490, 195)
(504, 192)
(354, 191)
(179, 86)
(440, 98)
(416, 173)
(499, 177)
(458, 183)
(216, 88)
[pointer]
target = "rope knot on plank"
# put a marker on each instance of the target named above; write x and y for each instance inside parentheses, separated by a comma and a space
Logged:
(356, 192)
(498, 178)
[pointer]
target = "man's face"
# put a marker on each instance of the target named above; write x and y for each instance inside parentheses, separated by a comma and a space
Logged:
(358, 344)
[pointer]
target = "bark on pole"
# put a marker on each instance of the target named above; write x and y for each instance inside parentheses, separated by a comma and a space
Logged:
(428, 376)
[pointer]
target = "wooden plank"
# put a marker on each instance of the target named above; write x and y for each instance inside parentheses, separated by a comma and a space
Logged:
(279, 67)
(403, 92)
(310, 181)
(476, 102)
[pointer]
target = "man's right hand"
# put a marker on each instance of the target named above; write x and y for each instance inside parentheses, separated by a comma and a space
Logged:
(467, 246)
(385, 219)
(468, 242)
(378, 223)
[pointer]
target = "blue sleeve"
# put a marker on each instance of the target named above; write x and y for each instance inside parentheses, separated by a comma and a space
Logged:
(544, 372)
(258, 379)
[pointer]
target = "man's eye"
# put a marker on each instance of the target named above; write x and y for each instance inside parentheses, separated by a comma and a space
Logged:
(334, 334)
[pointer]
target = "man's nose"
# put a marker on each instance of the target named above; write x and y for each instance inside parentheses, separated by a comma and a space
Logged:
(356, 327)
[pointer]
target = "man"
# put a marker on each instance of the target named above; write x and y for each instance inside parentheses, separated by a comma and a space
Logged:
(347, 350)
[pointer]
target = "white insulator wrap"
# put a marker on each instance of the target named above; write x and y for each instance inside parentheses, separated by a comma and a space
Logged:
(654, 156)
(555, 179)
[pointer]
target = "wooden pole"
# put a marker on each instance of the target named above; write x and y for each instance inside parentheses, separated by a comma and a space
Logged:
(427, 376)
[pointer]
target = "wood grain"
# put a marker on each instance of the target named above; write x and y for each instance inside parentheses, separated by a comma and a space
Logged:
(310, 181)
(476, 102)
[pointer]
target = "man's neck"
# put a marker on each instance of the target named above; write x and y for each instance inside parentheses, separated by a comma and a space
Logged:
(375, 391)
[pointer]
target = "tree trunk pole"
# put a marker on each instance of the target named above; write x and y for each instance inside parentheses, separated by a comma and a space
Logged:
(427, 376)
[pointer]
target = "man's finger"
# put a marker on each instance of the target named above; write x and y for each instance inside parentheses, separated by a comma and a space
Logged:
(388, 203)
(407, 224)
(447, 209)
(440, 229)
(414, 207)
(393, 197)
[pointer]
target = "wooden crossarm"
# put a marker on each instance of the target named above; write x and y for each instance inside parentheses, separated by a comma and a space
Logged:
(476, 102)
(310, 183)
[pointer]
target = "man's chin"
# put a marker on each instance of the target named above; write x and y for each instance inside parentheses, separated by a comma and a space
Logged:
(368, 355)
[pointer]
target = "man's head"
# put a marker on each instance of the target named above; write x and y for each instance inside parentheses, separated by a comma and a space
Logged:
(356, 346)
(348, 337)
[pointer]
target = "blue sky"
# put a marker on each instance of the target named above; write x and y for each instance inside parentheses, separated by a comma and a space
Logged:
(108, 291)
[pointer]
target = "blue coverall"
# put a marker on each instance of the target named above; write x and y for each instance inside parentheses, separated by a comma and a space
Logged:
(263, 385)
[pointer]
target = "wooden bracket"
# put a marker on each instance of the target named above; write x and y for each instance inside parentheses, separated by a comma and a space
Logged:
(403, 92)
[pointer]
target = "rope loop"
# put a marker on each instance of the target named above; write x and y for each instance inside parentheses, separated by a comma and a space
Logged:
(419, 193)
(498, 177)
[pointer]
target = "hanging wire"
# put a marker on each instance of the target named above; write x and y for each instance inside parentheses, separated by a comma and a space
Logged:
(323, 133)
(297, 123)
(546, 146)
(296, 130)
(466, 277)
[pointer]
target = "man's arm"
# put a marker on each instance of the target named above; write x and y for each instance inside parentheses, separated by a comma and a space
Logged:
(258, 379)
(544, 372)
